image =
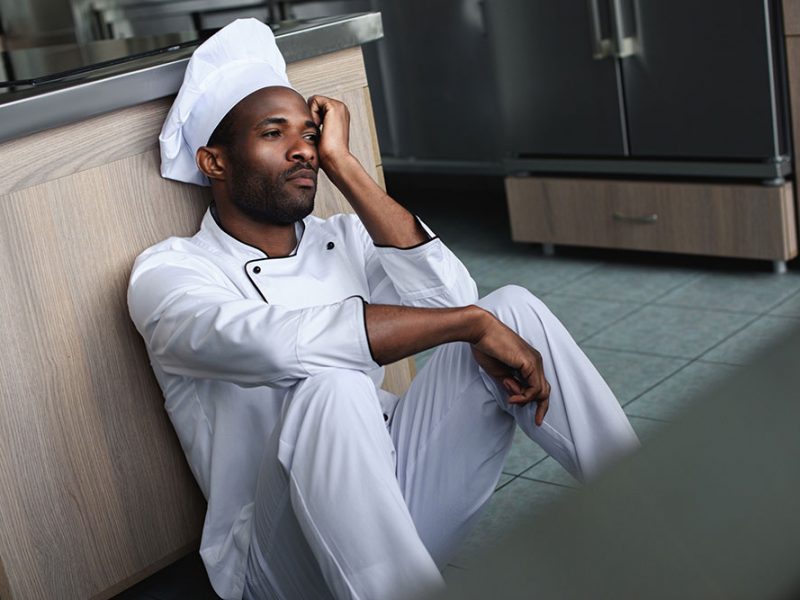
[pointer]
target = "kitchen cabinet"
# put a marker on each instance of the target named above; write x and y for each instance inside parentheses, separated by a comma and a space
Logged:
(94, 488)
(750, 221)
(688, 97)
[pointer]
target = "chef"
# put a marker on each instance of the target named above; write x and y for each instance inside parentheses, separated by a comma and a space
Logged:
(267, 331)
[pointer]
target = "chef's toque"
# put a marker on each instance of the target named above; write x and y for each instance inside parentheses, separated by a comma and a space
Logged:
(233, 63)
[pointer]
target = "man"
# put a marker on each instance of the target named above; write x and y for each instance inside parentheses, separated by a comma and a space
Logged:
(266, 331)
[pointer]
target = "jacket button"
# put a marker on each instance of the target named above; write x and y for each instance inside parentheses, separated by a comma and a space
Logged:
(330, 245)
(256, 269)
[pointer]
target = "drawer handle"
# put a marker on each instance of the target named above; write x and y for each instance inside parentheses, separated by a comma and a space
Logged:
(631, 219)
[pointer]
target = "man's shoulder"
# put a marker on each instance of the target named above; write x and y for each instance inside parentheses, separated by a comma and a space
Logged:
(175, 250)
(176, 244)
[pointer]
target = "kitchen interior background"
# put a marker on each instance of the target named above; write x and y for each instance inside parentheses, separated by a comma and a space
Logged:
(647, 144)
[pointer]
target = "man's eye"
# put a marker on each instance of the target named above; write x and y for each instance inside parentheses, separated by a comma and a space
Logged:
(313, 137)
(271, 133)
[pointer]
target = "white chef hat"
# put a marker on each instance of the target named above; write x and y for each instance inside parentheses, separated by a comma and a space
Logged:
(234, 62)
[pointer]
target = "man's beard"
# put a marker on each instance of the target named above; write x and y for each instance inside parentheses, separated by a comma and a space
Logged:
(269, 200)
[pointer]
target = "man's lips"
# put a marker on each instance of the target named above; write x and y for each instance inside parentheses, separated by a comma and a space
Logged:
(305, 177)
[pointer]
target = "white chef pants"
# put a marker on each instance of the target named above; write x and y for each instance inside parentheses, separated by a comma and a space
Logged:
(347, 507)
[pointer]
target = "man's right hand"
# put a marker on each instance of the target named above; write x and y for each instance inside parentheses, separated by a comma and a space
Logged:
(514, 364)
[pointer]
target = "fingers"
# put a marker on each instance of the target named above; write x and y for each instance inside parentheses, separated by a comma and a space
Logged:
(537, 390)
(318, 107)
(541, 411)
(525, 384)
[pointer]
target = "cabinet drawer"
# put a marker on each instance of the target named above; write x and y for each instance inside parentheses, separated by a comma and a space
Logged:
(747, 221)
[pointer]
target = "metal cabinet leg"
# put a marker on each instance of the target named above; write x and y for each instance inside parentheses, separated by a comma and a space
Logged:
(548, 249)
(779, 267)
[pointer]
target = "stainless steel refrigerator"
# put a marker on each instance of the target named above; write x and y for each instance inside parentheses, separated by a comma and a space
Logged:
(647, 87)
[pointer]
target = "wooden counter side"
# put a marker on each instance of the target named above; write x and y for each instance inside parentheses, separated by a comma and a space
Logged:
(95, 493)
(791, 17)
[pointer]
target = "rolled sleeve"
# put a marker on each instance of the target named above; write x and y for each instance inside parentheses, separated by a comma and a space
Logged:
(335, 335)
(428, 274)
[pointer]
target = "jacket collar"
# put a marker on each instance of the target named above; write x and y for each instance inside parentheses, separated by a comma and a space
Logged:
(213, 237)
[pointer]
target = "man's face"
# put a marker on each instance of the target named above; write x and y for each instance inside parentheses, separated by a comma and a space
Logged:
(273, 157)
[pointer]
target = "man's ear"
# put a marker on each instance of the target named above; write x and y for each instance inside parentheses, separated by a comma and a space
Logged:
(212, 162)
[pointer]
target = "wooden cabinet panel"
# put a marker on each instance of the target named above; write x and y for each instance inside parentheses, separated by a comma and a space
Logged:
(725, 220)
(793, 68)
(791, 17)
(94, 489)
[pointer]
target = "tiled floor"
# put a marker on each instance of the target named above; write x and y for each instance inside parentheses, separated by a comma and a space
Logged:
(659, 328)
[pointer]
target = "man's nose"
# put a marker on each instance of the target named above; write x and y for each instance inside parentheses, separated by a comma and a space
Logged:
(302, 150)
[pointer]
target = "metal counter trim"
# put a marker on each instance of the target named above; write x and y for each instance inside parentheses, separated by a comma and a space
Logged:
(91, 96)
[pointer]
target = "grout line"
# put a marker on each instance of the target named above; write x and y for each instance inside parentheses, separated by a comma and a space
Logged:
(612, 323)
(576, 278)
(738, 331)
(782, 302)
(561, 485)
(536, 464)
(654, 419)
(644, 352)
(691, 279)
(639, 395)
(500, 487)
(716, 310)
(708, 361)
(643, 305)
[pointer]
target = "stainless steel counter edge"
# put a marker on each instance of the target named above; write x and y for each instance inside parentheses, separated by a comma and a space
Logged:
(88, 98)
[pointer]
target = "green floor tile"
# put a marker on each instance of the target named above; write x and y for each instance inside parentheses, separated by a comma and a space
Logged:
(646, 428)
(754, 339)
(524, 454)
(746, 292)
(584, 317)
(520, 499)
(788, 308)
(670, 399)
(536, 273)
(629, 374)
(628, 283)
(670, 331)
(551, 472)
(504, 479)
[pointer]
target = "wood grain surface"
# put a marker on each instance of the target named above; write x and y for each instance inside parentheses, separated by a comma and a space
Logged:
(793, 69)
(93, 482)
(59, 152)
(95, 493)
(791, 17)
(736, 220)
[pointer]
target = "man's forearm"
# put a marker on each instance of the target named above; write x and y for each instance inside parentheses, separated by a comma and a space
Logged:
(395, 332)
(386, 221)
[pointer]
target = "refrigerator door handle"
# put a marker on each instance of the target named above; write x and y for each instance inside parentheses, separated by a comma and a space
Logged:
(624, 46)
(602, 47)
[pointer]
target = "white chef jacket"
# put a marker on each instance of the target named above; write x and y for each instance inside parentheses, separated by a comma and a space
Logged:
(228, 329)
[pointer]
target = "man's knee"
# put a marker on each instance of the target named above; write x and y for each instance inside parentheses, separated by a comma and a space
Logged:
(336, 408)
(336, 393)
(505, 301)
(337, 379)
